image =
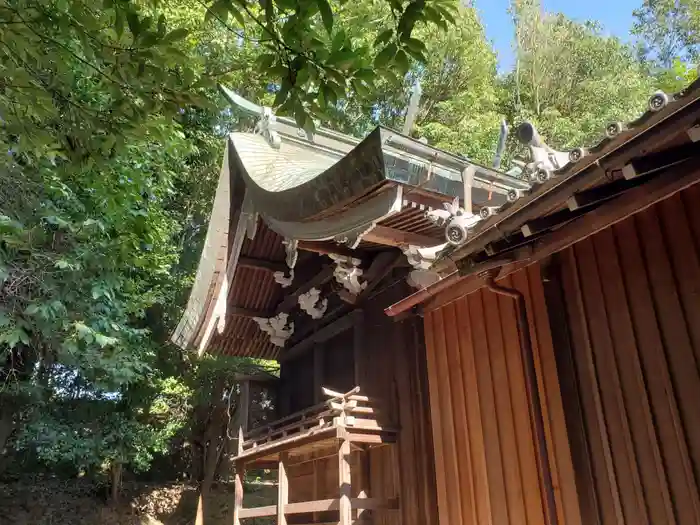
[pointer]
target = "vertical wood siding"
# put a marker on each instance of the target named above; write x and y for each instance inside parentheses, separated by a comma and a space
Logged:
(484, 445)
(391, 369)
(631, 355)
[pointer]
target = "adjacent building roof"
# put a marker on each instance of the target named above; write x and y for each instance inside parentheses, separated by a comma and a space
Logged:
(633, 166)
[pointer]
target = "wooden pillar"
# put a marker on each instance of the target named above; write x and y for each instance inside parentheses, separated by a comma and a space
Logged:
(242, 415)
(344, 483)
(362, 471)
(358, 343)
(244, 405)
(318, 373)
(282, 489)
(238, 493)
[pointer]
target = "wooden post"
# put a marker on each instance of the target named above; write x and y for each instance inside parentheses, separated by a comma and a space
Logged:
(316, 485)
(318, 373)
(242, 415)
(362, 470)
(238, 493)
(358, 344)
(282, 489)
(344, 483)
(244, 404)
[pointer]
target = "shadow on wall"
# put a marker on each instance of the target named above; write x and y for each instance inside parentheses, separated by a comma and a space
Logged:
(78, 502)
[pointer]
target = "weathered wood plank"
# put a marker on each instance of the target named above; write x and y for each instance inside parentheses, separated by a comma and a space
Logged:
(344, 483)
(282, 489)
(395, 237)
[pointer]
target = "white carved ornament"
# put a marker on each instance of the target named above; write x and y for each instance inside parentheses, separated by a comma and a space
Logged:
(422, 260)
(455, 219)
(276, 327)
(281, 278)
(312, 303)
(290, 248)
(348, 274)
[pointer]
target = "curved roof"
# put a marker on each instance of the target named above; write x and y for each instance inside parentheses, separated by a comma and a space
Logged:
(328, 187)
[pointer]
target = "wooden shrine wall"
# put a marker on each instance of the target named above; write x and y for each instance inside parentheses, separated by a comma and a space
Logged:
(615, 326)
(627, 329)
(485, 453)
(388, 363)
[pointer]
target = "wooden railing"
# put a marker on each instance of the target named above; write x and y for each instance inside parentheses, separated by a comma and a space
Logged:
(350, 410)
(333, 425)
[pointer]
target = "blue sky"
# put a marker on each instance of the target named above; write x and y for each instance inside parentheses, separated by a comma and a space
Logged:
(614, 15)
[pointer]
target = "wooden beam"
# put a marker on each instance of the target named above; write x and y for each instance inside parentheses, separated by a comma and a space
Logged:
(599, 194)
(395, 237)
(264, 264)
(550, 221)
(282, 489)
(324, 334)
(344, 483)
(326, 248)
(322, 505)
(259, 512)
(239, 311)
(381, 266)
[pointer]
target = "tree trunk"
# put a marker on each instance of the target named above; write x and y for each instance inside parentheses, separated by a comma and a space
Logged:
(211, 461)
(116, 475)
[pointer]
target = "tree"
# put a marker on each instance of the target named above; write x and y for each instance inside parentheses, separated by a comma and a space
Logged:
(668, 30)
(570, 80)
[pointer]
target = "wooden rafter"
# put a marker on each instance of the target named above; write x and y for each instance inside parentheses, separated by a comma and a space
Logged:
(264, 264)
(239, 311)
(395, 237)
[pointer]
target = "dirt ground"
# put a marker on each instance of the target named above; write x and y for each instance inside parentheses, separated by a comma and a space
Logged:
(77, 502)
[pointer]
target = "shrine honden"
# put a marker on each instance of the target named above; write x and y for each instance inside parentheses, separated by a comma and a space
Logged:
(460, 344)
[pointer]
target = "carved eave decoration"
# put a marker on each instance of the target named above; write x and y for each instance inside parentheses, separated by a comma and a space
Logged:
(277, 328)
(311, 303)
(347, 273)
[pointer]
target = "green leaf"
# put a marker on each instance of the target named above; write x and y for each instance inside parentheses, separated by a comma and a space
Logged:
(360, 88)
(15, 336)
(32, 309)
(383, 37)
(265, 62)
(366, 74)
(104, 340)
(326, 14)
(238, 16)
(132, 18)
(162, 28)
(285, 87)
(119, 22)
(175, 35)
(402, 62)
(416, 45)
(329, 95)
(338, 40)
(385, 56)
(343, 58)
